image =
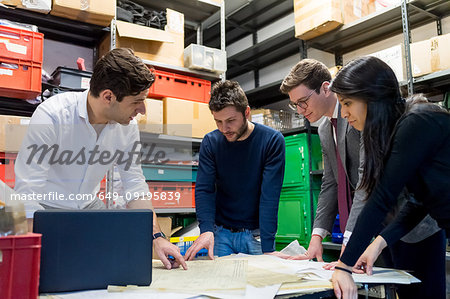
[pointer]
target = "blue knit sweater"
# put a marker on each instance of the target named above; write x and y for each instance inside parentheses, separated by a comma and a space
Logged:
(239, 183)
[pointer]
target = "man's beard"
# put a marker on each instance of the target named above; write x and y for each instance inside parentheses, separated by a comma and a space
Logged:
(242, 130)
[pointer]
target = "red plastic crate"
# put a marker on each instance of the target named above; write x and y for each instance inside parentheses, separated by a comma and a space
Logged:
(21, 44)
(172, 194)
(20, 78)
(7, 162)
(19, 266)
(181, 87)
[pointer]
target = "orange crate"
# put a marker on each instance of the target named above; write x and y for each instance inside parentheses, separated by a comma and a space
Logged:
(19, 267)
(172, 194)
(20, 78)
(178, 86)
(21, 44)
(7, 162)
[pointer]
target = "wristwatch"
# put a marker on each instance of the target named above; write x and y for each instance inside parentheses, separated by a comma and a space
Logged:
(160, 234)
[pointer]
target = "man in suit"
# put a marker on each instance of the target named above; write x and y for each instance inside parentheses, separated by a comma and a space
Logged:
(307, 85)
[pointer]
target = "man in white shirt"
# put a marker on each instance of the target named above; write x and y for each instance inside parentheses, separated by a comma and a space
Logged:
(74, 138)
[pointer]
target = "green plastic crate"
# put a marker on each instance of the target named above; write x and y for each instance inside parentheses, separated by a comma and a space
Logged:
(294, 215)
(297, 160)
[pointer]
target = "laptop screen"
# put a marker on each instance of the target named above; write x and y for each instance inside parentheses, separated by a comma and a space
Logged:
(91, 249)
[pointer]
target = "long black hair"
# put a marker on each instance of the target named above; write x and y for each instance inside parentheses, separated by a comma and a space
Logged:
(373, 81)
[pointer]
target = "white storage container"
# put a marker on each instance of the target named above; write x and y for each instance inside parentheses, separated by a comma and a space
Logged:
(204, 58)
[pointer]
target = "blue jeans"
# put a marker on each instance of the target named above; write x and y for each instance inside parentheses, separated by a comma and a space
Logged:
(226, 242)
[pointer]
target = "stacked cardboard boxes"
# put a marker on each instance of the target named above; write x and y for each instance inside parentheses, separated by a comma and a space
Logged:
(316, 17)
(99, 12)
(187, 118)
(152, 120)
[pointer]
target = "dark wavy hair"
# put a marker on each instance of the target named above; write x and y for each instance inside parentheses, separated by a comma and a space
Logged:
(122, 72)
(373, 81)
(228, 93)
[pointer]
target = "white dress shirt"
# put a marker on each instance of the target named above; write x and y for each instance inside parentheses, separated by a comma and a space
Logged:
(68, 176)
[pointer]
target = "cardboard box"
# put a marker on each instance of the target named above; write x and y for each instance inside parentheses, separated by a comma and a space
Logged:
(165, 224)
(99, 12)
(165, 46)
(187, 118)
(357, 9)
(152, 120)
(421, 58)
(12, 132)
(440, 54)
(219, 2)
(334, 70)
(393, 56)
(382, 4)
(316, 17)
(42, 6)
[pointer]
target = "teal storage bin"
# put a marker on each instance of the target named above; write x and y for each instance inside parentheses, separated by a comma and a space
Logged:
(170, 173)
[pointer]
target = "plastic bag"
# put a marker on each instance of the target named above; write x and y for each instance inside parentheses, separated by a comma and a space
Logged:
(12, 213)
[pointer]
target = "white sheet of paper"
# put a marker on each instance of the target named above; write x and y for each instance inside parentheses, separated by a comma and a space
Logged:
(294, 248)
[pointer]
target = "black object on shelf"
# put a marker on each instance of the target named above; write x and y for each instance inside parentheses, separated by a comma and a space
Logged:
(18, 107)
(71, 78)
(317, 172)
(132, 12)
(299, 130)
(49, 90)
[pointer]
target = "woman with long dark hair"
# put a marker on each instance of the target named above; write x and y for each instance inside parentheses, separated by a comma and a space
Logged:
(405, 145)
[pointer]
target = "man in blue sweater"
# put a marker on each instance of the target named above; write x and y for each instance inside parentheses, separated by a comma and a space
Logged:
(239, 179)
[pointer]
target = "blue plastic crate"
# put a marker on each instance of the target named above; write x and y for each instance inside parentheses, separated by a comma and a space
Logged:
(337, 236)
(185, 243)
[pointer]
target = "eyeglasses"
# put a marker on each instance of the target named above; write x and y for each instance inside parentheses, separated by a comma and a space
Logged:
(302, 104)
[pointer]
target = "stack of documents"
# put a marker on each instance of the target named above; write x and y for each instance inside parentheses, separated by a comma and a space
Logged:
(239, 276)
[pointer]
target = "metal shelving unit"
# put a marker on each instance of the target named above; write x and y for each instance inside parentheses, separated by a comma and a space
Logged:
(246, 19)
(169, 139)
(264, 53)
(378, 26)
(56, 28)
(264, 95)
(175, 211)
(433, 81)
(365, 31)
(88, 35)
(196, 13)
